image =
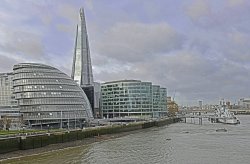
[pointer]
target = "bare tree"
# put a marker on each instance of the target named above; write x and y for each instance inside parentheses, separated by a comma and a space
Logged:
(6, 122)
(1, 124)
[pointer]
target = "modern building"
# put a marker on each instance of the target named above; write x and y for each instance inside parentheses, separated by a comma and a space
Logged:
(97, 97)
(47, 96)
(132, 98)
(200, 104)
(9, 112)
(244, 103)
(82, 68)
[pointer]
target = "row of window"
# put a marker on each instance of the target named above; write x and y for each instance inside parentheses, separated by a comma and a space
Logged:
(51, 101)
(46, 88)
(134, 106)
(35, 70)
(52, 107)
(48, 94)
(113, 100)
(126, 88)
(130, 110)
(43, 81)
(127, 106)
(126, 103)
(59, 115)
(36, 75)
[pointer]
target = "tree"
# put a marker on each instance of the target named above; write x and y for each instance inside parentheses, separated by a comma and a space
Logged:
(1, 124)
(6, 122)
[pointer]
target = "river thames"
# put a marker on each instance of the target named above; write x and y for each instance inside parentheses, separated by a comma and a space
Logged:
(180, 143)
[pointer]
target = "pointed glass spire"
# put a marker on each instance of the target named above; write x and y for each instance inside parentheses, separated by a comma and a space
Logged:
(82, 68)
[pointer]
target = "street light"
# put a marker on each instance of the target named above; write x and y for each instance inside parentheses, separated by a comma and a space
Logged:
(61, 120)
(23, 130)
(84, 123)
(39, 114)
(48, 128)
(75, 120)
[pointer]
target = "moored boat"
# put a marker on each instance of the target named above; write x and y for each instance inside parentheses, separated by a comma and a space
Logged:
(226, 117)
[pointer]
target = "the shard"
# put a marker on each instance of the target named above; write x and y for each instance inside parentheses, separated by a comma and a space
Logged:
(82, 68)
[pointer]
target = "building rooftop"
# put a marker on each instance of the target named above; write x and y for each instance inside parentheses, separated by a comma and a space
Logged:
(125, 80)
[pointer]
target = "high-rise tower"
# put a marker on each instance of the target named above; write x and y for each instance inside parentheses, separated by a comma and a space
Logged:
(82, 68)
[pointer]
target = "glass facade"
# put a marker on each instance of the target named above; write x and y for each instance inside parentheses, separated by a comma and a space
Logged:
(47, 96)
(82, 68)
(8, 105)
(132, 98)
(6, 90)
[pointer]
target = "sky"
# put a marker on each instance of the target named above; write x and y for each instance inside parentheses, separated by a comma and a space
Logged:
(197, 49)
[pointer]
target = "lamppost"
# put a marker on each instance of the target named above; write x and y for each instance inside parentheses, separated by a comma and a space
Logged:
(61, 120)
(23, 130)
(39, 114)
(48, 128)
(84, 123)
(75, 120)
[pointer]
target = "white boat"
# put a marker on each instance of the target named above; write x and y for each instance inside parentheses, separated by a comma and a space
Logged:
(225, 116)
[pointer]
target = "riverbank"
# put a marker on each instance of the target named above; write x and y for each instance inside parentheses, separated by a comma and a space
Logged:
(13, 156)
(54, 142)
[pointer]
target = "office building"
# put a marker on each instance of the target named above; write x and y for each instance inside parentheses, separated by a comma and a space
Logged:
(10, 117)
(244, 103)
(132, 98)
(47, 96)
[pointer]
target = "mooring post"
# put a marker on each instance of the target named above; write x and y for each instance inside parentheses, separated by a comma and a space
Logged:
(200, 120)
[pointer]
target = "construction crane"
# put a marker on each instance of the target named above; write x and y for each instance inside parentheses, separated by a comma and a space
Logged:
(174, 94)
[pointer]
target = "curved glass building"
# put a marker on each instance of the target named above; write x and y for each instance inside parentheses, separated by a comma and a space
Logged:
(133, 98)
(48, 96)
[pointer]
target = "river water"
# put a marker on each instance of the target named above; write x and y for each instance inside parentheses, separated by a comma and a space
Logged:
(179, 143)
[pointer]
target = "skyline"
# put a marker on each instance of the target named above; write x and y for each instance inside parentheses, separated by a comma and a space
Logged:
(197, 48)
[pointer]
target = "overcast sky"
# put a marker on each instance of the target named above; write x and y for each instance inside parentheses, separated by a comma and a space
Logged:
(197, 49)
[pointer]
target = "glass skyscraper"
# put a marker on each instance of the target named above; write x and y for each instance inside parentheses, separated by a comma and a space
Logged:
(82, 68)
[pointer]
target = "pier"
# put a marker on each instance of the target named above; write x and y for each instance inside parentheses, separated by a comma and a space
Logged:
(213, 118)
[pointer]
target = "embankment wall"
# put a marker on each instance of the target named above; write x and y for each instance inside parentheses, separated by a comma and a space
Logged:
(31, 142)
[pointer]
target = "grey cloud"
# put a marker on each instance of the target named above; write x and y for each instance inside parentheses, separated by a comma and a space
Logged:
(69, 12)
(66, 28)
(132, 42)
(197, 10)
(224, 16)
(21, 42)
(237, 47)
(236, 3)
(6, 63)
(191, 75)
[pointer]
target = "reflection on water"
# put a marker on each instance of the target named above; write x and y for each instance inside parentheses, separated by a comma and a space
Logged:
(66, 156)
(176, 143)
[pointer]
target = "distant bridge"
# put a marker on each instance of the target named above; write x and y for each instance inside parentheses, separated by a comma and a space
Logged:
(212, 117)
(240, 111)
